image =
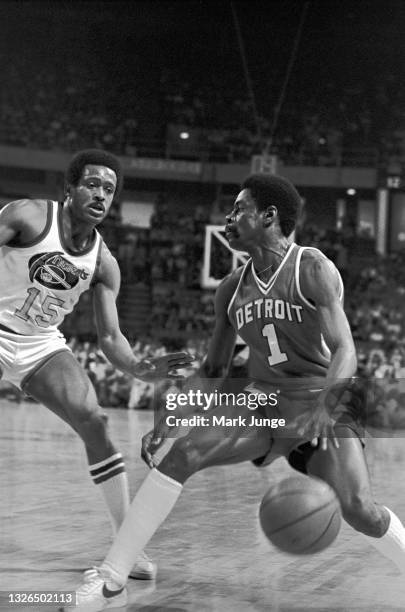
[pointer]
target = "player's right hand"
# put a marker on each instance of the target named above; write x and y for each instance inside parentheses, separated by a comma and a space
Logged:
(318, 426)
(153, 440)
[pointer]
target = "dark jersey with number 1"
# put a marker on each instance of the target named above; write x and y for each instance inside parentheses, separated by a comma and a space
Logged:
(279, 324)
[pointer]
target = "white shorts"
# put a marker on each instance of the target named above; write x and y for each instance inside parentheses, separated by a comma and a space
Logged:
(21, 356)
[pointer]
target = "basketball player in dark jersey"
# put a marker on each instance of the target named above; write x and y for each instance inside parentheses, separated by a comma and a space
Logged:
(51, 253)
(286, 303)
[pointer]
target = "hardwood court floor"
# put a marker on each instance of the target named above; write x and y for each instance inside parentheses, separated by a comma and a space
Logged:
(211, 553)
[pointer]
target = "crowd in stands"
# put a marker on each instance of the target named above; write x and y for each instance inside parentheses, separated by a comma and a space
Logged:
(329, 120)
(43, 107)
(177, 242)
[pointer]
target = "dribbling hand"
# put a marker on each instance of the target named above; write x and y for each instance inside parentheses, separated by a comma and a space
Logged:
(153, 440)
(150, 370)
(317, 425)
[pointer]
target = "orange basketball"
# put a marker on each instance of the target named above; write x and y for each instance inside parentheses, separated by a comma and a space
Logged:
(300, 515)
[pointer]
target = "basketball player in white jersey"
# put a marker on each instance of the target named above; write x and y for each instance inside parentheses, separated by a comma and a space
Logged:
(51, 253)
(286, 304)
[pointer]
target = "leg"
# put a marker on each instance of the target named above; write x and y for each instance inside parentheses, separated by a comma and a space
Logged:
(345, 470)
(63, 386)
(200, 448)
(204, 447)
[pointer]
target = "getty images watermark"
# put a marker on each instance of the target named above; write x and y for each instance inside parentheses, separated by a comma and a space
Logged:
(357, 405)
(203, 402)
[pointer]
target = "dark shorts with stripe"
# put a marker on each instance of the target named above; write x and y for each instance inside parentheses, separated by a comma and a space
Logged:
(350, 422)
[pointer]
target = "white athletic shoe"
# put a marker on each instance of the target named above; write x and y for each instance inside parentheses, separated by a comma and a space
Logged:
(144, 568)
(98, 592)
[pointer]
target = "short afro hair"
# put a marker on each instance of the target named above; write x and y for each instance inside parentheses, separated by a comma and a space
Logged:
(270, 189)
(95, 157)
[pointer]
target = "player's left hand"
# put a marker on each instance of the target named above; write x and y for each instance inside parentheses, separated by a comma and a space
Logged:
(150, 370)
(154, 439)
(318, 426)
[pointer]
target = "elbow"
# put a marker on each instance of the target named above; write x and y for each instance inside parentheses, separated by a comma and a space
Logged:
(106, 343)
(354, 362)
(211, 370)
(345, 357)
(350, 356)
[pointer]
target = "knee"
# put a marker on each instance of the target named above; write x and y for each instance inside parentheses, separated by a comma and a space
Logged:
(183, 460)
(364, 515)
(91, 425)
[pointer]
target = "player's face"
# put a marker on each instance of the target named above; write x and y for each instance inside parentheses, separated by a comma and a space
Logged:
(93, 195)
(244, 222)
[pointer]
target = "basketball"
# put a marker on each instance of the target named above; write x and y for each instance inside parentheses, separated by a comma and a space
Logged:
(300, 516)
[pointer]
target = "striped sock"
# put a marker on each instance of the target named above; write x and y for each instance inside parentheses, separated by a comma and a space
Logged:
(111, 476)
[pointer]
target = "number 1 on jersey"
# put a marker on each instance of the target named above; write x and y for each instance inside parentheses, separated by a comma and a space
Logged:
(276, 356)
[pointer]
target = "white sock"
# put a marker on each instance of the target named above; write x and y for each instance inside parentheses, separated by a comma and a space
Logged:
(111, 477)
(392, 543)
(151, 505)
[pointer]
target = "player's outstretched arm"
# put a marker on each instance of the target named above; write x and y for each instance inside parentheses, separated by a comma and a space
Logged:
(320, 285)
(112, 341)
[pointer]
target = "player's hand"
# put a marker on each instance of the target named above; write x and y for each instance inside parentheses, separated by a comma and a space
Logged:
(150, 370)
(153, 440)
(317, 425)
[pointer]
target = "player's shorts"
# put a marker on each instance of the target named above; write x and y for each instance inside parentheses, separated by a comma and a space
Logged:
(293, 403)
(22, 356)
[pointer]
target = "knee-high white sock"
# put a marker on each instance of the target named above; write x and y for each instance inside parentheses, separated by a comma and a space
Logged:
(111, 477)
(392, 543)
(150, 506)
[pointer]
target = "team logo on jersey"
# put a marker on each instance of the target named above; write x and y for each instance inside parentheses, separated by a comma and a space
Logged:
(52, 270)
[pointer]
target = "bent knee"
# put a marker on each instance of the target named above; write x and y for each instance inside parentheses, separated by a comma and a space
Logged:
(186, 452)
(183, 460)
(91, 424)
(364, 515)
